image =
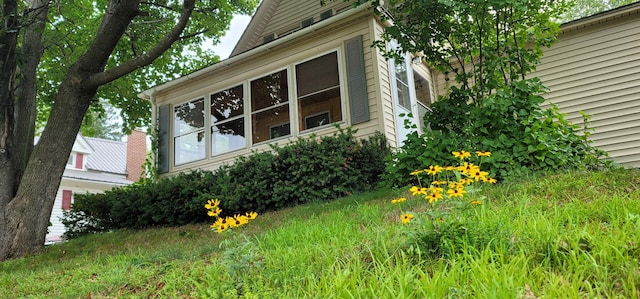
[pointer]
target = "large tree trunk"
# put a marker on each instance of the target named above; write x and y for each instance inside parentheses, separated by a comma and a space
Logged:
(27, 198)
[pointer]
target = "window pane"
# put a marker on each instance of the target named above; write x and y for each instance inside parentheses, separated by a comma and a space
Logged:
(188, 117)
(228, 136)
(326, 103)
(317, 74)
(264, 121)
(318, 85)
(422, 89)
(189, 147)
(269, 91)
(402, 84)
(227, 104)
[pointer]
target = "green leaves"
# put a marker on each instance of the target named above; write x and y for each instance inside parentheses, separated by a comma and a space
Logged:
(71, 30)
(308, 170)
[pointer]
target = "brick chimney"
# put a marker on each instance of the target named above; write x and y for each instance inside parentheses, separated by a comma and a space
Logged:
(136, 154)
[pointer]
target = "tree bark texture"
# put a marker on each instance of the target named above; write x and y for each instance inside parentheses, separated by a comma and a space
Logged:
(26, 203)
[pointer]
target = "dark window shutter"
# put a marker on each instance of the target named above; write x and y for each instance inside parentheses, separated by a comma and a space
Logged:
(66, 199)
(163, 138)
(356, 80)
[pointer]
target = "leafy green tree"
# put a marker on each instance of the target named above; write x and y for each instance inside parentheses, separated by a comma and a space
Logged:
(63, 57)
(487, 48)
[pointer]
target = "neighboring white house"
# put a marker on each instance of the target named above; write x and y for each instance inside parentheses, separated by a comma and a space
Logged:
(300, 66)
(94, 166)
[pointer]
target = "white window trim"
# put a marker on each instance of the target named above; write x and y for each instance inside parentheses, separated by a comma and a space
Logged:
(245, 91)
(292, 93)
(173, 131)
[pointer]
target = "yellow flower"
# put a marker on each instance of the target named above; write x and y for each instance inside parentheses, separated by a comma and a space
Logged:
(416, 172)
(240, 219)
(438, 183)
(214, 212)
(483, 154)
(465, 181)
(212, 204)
(433, 197)
(406, 218)
(476, 202)
(415, 190)
(433, 170)
(490, 180)
(450, 168)
(468, 168)
(220, 224)
(454, 185)
(478, 175)
(398, 200)
(461, 154)
(252, 215)
(231, 222)
(435, 190)
(457, 192)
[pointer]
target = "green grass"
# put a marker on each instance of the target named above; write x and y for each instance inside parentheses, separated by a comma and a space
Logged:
(564, 235)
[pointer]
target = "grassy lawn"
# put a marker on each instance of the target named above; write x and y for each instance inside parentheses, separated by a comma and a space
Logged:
(567, 235)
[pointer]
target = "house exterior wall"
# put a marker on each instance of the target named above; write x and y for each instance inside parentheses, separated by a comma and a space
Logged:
(324, 40)
(595, 67)
(57, 229)
(281, 17)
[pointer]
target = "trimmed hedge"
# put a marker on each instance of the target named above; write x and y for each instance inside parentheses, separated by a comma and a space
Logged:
(309, 169)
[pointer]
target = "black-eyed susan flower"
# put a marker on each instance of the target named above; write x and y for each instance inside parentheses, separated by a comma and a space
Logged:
(433, 170)
(434, 197)
(214, 212)
(406, 218)
(416, 172)
(468, 168)
(415, 190)
(483, 154)
(398, 200)
(437, 183)
(461, 154)
(490, 180)
(475, 202)
(456, 192)
(478, 175)
(251, 215)
(212, 204)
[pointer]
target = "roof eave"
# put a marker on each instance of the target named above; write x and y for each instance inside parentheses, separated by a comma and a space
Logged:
(149, 93)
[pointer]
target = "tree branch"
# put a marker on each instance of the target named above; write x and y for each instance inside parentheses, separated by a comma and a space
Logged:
(148, 57)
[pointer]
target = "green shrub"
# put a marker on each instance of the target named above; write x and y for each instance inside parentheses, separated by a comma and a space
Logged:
(309, 169)
(510, 123)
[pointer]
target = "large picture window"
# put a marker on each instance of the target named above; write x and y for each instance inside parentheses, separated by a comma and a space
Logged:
(318, 85)
(270, 107)
(188, 131)
(227, 120)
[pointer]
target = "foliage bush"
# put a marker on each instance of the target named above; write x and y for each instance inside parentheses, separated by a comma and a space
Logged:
(510, 123)
(309, 169)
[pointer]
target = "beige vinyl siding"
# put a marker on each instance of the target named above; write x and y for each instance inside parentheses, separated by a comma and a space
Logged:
(290, 14)
(596, 69)
(387, 115)
(314, 44)
(283, 17)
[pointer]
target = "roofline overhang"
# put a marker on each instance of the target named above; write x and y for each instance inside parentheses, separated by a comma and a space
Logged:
(628, 9)
(149, 93)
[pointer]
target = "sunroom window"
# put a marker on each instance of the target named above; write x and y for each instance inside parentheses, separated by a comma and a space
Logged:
(270, 107)
(402, 83)
(318, 86)
(227, 120)
(189, 136)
